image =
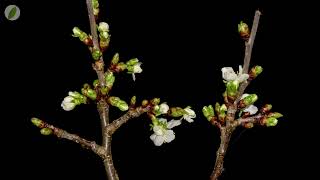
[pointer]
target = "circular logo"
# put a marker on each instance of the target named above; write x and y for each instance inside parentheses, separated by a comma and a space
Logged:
(12, 12)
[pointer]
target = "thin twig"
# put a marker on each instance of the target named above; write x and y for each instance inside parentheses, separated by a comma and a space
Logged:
(231, 123)
(252, 119)
(132, 113)
(98, 65)
(93, 146)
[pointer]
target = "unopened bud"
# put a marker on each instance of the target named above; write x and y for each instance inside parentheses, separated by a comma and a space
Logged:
(266, 108)
(155, 101)
(46, 131)
(145, 103)
(243, 30)
(37, 122)
(232, 88)
(275, 115)
(133, 100)
(271, 121)
(208, 112)
(255, 71)
(96, 54)
(115, 58)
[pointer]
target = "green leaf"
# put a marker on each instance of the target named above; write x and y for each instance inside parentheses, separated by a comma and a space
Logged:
(12, 13)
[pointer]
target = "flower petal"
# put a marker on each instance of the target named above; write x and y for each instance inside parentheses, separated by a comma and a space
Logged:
(158, 130)
(169, 136)
(164, 108)
(228, 74)
(242, 77)
(158, 141)
(173, 123)
(162, 120)
(251, 109)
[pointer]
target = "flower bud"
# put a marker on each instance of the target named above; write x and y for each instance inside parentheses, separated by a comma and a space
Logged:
(103, 27)
(115, 58)
(232, 88)
(110, 78)
(208, 112)
(266, 108)
(123, 106)
(37, 122)
(91, 94)
(145, 103)
(275, 115)
(177, 112)
(250, 99)
(133, 100)
(155, 101)
(243, 30)
(95, 83)
(46, 131)
(248, 125)
(96, 54)
(271, 121)
(132, 62)
(255, 71)
(76, 32)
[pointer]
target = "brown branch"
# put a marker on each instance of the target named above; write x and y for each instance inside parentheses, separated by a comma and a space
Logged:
(98, 65)
(231, 123)
(132, 113)
(93, 146)
(252, 119)
(250, 42)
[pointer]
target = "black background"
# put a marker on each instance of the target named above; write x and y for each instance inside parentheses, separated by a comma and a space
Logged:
(183, 46)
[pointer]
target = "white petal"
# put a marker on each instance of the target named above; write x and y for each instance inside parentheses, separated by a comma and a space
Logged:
(244, 95)
(228, 74)
(164, 108)
(68, 99)
(188, 119)
(158, 141)
(169, 136)
(158, 130)
(173, 123)
(68, 106)
(153, 137)
(137, 68)
(103, 26)
(190, 112)
(243, 77)
(251, 109)
(240, 69)
(163, 120)
(133, 77)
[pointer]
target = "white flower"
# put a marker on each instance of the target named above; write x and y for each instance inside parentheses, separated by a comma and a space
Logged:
(164, 134)
(136, 69)
(190, 114)
(251, 109)
(67, 103)
(163, 108)
(229, 75)
(103, 27)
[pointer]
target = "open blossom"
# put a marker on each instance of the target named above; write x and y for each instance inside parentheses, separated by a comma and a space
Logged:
(136, 69)
(229, 75)
(162, 131)
(163, 108)
(190, 114)
(250, 109)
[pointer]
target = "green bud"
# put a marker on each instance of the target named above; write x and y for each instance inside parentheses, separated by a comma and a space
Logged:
(266, 108)
(110, 78)
(133, 100)
(232, 88)
(37, 122)
(155, 101)
(104, 90)
(208, 112)
(123, 106)
(114, 100)
(46, 131)
(115, 59)
(145, 102)
(243, 30)
(132, 62)
(96, 83)
(223, 108)
(104, 35)
(104, 43)
(250, 99)
(177, 111)
(83, 36)
(92, 94)
(255, 71)
(217, 108)
(96, 54)
(275, 115)
(271, 121)
(95, 4)
(76, 32)
(96, 12)
(130, 69)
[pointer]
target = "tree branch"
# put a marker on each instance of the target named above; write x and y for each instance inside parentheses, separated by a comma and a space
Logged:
(250, 42)
(132, 113)
(98, 65)
(93, 146)
(231, 123)
(252, 119)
